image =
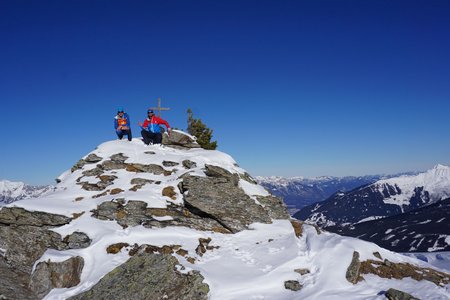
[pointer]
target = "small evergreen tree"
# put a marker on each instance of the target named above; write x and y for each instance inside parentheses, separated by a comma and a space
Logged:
(200, 131)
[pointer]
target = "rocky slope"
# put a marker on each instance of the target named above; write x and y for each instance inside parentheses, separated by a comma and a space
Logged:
(381, 199)
(425, 229)
(135, 222)
(12, 191)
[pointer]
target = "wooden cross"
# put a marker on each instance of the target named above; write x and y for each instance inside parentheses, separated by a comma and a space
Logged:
(159, 108)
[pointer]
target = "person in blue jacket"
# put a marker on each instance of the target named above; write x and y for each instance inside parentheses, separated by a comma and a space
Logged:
(122, 124)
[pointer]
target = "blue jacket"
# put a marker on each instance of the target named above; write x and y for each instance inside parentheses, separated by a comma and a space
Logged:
(124, 121)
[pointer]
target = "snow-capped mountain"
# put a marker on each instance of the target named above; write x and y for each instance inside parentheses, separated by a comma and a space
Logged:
(381, 199)
(12, 191)
(298, 192)
(130, 221)
(426, 229)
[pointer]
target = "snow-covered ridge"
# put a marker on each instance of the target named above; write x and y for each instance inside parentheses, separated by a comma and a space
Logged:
(251, 264)
(436, 182)
(11, 191)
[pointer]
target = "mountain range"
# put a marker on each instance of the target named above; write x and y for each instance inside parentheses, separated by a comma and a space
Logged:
(298, 192)
(130, 221)
(408, 200)
(11, 191)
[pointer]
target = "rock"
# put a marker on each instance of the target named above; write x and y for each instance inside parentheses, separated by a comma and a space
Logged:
(93, 158)
(388, 269)
(118, 158)
(179, 138)
(49, 275)
(274, 206)
(221, 200)
(377, 255)
(115, 248)
(302, 271)
(393, 294)
(20, 216)
(148, 276)
(141, 181)
(26, 235)
(151, 168)
(116, 191)
(136, 213)
(93, 172)
(298, 227)
(25, 244)
(292, 285)
(131, 214)
(90, 159)
(77, 240)
(202, 245)
(14, 283)
(247, 178)
(188, 164)
(169, 163)
(169, 191)
(109, 165)
(352, 274)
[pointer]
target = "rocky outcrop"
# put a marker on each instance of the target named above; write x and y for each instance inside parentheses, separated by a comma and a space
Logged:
(353, 274)
(148, 276)
(49, 275)
(90, 159)
(14, 283)
(391, 270)
(179, 139)
(219, 197)
(136, 213)
(25, 236)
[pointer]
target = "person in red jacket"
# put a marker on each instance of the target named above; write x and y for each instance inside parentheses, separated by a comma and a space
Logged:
(151, 132)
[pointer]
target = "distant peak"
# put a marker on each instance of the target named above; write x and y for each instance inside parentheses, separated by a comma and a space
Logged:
(440, 167)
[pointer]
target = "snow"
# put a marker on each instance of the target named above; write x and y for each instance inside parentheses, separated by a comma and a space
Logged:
(370, 219)
(252, 264)
(439, 260)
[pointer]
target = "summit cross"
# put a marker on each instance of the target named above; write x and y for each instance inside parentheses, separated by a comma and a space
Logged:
(159, 108)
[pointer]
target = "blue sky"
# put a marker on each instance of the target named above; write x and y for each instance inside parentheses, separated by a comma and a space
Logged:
(290, 88)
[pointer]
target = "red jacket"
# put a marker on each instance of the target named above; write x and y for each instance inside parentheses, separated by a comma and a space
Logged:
(153, 124)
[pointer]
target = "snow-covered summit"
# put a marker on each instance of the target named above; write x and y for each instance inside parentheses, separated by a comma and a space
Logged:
(125, 201)
(435, 182)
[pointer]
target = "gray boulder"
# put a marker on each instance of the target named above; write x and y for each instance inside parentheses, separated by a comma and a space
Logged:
(393, 294)
(77, 240)
(49, 275)
(292, 285)
(14, 283)
(148, 276)
(352, 275)
(220, 198)
(25, 236)
(179, 139)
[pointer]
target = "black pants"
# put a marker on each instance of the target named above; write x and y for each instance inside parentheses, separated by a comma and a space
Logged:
(150, 137)
(121, 133)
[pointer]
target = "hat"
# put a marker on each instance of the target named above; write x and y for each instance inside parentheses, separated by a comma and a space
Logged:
(150, 111)
(120, 109)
